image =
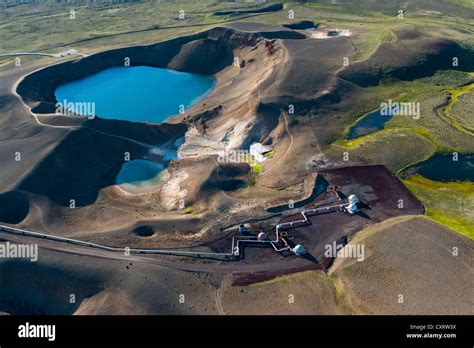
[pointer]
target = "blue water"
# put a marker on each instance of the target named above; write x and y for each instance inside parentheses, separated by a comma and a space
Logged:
(138, 171)
(141, 94)
(371, 123)
(442, 167)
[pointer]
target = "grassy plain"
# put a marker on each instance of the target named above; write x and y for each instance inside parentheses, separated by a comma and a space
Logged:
(451, 204)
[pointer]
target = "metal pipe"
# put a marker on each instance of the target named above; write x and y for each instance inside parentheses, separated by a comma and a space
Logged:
(305, 220)
(235, 240)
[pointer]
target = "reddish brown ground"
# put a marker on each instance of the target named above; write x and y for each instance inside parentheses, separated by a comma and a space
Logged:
(380, 192)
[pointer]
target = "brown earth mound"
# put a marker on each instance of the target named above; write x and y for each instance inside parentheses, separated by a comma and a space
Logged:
(421, 60)
(411, 266)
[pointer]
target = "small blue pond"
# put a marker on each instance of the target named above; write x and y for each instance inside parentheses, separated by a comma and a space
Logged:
(141, 94)
(138, 171)
(442, 167)
(370, 123)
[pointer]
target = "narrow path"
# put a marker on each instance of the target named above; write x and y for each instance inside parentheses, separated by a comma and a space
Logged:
(39, 122)
(218, 298)
(70, 53)
(87, 127)
(11, 55)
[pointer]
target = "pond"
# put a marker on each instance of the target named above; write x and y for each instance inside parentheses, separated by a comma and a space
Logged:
(370, 123)
(139, 175)
(442, 167)
(140, 94)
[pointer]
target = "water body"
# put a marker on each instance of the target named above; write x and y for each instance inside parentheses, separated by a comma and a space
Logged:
(139, 175)
(441, 167)
(140, 94)
(371, 123)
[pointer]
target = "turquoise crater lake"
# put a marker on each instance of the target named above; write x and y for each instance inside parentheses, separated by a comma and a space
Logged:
(140, 94)
(139, 175)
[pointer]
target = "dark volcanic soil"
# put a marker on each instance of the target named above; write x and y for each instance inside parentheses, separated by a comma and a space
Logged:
(380, 192)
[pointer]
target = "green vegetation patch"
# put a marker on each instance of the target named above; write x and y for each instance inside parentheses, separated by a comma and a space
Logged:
(188, 210)
(461, 116)
(51, 26)
(450, 203)
(396, 148)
